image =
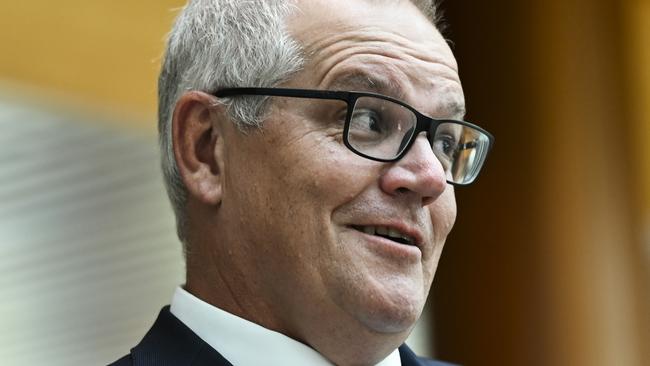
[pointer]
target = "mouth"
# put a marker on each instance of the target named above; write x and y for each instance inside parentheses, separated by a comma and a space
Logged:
(387, 233)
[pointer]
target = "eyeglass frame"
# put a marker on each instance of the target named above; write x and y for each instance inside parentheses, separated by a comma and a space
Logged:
(424, 123)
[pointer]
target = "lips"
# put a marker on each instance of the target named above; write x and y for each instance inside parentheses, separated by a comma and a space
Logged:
(387, 232)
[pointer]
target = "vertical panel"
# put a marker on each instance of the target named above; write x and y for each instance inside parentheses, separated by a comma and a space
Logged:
(543, 266)
(586, 217)
(487, 293)
(637, 27)
(636, 18)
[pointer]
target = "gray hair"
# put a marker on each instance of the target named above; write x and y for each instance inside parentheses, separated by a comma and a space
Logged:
(217, 44)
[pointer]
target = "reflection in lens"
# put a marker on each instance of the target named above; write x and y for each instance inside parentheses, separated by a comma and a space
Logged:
(472, 149)
(405, 140)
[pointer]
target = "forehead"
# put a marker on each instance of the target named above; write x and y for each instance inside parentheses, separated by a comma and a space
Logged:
(384, 46)
(401, 18)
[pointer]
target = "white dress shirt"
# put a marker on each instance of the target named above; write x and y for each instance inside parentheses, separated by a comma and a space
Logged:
(244, 343)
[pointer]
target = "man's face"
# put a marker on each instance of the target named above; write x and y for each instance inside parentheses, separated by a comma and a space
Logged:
(314, 219)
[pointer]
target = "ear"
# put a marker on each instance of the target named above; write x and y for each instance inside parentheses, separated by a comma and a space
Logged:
(198, 145)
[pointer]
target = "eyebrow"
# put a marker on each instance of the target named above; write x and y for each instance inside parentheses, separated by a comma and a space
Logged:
(454, 109)
(361, 81)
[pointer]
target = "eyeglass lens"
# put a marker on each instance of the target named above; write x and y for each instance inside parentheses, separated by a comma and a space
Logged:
(382, 129)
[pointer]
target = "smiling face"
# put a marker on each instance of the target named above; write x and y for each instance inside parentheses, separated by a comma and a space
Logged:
(328, 241)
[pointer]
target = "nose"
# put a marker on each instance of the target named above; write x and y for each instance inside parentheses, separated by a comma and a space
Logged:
(419, 174)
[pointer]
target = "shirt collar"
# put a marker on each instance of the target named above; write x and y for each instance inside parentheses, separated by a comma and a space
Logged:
(234, 337)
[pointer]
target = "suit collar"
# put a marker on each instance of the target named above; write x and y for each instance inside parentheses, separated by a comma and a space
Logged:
(169, 342)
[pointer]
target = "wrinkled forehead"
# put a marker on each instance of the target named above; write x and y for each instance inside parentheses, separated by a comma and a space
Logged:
(322, 26)
(315, 16)
(389, 47)
(426, 7)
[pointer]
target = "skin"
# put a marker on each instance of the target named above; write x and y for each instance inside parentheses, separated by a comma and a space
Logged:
(271, 212)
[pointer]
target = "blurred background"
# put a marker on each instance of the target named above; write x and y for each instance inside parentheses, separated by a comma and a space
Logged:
(549, 262)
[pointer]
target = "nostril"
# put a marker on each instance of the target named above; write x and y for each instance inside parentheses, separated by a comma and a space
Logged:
(426, 201)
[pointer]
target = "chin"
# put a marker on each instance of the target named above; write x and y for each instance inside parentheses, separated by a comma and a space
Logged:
(390, 323)
(384, 298)
(391, 315)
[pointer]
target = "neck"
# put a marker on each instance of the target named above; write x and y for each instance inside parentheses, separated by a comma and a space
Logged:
(228, 279)
(342, 339)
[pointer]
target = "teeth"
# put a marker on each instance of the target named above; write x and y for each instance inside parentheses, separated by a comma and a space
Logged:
(385, 231)
(394, 233)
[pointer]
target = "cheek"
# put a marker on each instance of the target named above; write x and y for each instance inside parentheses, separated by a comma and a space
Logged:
(326, 174)
(443, 214)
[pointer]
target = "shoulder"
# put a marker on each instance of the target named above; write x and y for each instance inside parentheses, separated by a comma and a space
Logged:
(124, 361)
(170, 342)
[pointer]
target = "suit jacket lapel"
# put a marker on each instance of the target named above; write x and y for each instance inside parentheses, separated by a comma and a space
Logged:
(410, 359)
(169, 342)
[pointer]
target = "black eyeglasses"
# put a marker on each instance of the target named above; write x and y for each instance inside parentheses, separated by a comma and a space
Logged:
(383, 129)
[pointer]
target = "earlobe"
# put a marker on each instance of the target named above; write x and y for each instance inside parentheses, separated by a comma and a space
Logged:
(198, 145)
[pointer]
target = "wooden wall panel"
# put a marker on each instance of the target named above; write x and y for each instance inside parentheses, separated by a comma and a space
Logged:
(545, 265)
(637, 50)
(488, 291)
(585, 206)
(637, 27)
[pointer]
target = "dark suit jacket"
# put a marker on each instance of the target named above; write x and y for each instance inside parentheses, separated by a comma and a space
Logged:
(171, 343)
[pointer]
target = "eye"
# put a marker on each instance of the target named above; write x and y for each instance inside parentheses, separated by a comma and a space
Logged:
(369, 125)
(366, 120)
(445, 147)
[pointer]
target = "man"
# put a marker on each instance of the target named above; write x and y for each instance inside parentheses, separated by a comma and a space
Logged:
(312, 190)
